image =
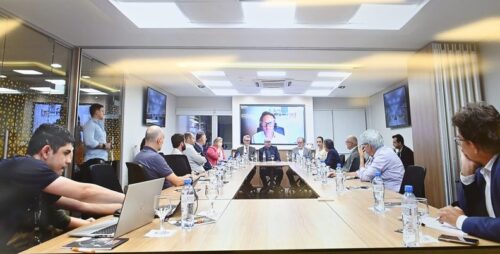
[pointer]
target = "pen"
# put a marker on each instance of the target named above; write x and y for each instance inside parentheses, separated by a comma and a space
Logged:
(83, 250)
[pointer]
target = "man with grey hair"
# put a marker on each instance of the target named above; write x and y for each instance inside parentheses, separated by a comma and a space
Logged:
(384, 160)
(195, 159)
(300, 150)
(352, 162)
(154, 164)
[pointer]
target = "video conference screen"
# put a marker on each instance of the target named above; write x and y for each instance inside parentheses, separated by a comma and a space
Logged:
(156, 104)
(45, 113)
(281, 124)
(396, 106)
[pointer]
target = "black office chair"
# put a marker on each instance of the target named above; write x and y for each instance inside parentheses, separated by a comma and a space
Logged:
(136, 173)
(342, 159)
(415, 176)
(104, 175)
(179, 164)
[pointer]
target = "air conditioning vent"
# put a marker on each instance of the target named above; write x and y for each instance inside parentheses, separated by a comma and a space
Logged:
(273, 83)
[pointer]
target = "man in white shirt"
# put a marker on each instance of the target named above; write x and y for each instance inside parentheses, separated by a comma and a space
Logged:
(178, 143)
(300, 150)
(320, 152)
(479, 139)
(196, 160)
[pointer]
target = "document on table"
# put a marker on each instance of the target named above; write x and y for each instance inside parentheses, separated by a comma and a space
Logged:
(432, 222)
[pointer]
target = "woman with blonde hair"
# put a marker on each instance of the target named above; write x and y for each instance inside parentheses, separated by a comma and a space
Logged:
(215, 153)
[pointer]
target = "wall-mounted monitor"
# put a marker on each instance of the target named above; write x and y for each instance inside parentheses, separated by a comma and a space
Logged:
(83, 114)
(397, 108)
(281, 123)
(155, 108)
(44, 112)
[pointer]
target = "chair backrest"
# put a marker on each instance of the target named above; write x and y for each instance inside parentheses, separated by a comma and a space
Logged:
(104, 175)
(415, 176)
(342, 159)
(136, 173)
(179, 164)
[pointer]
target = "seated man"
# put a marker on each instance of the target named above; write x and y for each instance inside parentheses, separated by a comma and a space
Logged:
(352, 162)
(479, 139)
(154, 164)
(201, 141)
(178, 143)
(403, 152)
(28, 183)
(332, 156)
(196, 160)
(275, 174)
(249, 152)
(299, 151)
(384, 160)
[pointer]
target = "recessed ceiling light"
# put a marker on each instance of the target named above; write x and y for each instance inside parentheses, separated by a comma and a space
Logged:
(48, 90)
(264, 15)
(329, 84)
(92, 91)
(28, 72)
(152, 14)
(8, 91)
(199, 74)
(318, 92)
(333, 74)
(217, 83)
(271, 92)
(56, 65)
(3, 76)
(225, 91)
(85, 77)
(56, 81)
(271, 73)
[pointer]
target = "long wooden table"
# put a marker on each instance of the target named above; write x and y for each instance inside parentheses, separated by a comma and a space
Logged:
(341, 223)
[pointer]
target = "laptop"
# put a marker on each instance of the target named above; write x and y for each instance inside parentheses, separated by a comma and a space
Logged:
(137, 211)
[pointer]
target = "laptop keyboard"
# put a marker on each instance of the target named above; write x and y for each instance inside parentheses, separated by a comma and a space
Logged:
(106, 231)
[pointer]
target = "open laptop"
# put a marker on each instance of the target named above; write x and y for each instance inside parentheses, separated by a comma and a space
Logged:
(137, 211)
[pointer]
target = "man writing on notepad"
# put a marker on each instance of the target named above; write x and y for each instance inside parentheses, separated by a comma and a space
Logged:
(479, 140)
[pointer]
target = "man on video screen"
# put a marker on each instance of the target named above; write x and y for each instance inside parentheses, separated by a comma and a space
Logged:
(267, 124)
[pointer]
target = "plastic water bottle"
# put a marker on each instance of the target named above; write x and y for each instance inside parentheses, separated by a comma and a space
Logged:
(410, 218)
(339, 178)
(187, 205)
(264, 156)
(324, 174)
(378, 192)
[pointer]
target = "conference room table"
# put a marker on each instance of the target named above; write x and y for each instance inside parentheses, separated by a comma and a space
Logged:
(334, 222)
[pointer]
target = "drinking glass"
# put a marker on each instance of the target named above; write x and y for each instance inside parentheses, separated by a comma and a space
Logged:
(272, 157)
(211, 192)
(163, 207)
(422, 208)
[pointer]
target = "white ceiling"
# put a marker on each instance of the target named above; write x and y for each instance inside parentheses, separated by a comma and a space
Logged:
(377, 58)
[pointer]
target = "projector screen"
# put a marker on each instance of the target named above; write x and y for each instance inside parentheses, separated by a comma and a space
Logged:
(45, 113)
(280, 123)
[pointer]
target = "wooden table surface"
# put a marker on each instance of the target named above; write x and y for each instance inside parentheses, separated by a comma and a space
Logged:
(334, 222)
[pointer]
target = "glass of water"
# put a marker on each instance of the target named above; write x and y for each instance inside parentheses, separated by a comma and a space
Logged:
(163, 207)
(211, 192)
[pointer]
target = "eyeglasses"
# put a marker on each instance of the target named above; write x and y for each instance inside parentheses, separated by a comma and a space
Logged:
(459, 141)
(246, 140)
(268, 123)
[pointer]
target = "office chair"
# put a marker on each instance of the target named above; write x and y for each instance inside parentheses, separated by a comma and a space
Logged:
(342, 159)
(179, 164)
(415, 176)
(104, 175)
(136, 173)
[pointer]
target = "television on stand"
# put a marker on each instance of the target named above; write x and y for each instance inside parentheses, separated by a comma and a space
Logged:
(155, 108)
(397, 108)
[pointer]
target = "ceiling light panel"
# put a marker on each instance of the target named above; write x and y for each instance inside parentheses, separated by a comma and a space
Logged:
(92, 91)
(330, 84)
(264, 15)
(201, 74)
(8, 91)
(318, 92)
(217, 83)
(333, 74)
(225, 92)
(272, 74)
(152, 14)
(28, 72)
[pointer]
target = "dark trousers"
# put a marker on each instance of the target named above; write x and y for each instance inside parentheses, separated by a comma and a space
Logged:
(291, 177)
(275, 175)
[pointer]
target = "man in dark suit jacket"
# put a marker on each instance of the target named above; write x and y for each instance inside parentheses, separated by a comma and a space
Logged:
(245, 148)
(479, 140)
(201, 140)
(275, 174)
(352, 162)
(404, 152)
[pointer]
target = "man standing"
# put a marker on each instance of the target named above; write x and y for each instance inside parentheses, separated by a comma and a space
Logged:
(196, 160)
(403, 152)
(154, 164)
(178, 143)
(201, 140)
(384, 161)
(94, 137)
(245, 149)
(275, 174)
(479, 140)
(28, 182)
(352, 162)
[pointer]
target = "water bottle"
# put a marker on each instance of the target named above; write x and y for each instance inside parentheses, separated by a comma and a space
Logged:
(264, 156)
(378, 192)
(410, 218)
(324, 175)
(339, 178)
(187, 205)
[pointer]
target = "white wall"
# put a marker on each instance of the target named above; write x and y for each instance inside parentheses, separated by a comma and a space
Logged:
(376, 119)
(490, 55)
(204, 105)
(133, 127)
(307, 101)
(339, 103)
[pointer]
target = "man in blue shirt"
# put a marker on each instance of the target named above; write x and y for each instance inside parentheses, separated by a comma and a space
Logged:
(94, 137)
(153, 162)
(275, 174)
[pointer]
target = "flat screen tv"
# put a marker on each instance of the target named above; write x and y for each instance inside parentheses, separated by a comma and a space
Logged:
(397, 108)
(44, 112)
(83, 114)
(155, 108)
(283, 123)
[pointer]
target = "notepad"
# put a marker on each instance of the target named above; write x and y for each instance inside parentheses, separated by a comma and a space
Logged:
(432, 222)
(96, 243)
